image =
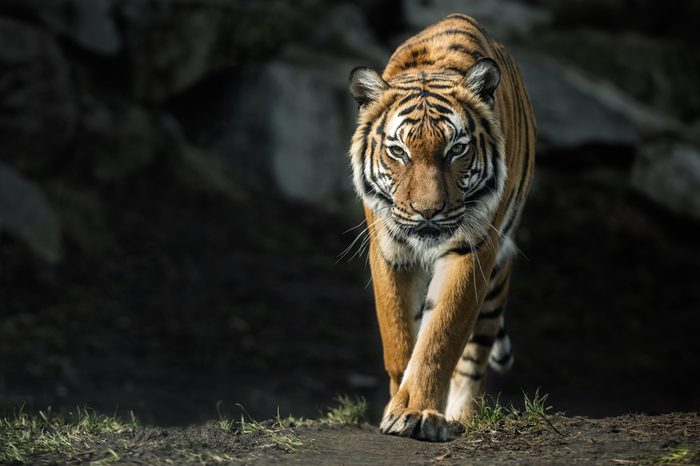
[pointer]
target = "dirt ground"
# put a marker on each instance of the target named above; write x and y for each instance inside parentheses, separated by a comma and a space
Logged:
(178, 301)
(631, 439)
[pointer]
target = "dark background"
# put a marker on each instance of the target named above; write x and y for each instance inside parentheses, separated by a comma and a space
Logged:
(175, 193)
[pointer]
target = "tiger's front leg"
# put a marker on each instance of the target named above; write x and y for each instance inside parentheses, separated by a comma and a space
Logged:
(417, 406)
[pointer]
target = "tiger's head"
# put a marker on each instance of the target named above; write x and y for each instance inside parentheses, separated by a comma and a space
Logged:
(428, 154)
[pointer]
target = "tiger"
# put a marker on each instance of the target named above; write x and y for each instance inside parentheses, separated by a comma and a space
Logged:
(442, 160)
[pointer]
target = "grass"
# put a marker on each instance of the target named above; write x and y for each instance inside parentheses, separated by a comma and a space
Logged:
(279, 432)
(679, 456)
(24, 435)
(491, 414)
(348, 411)
(274, 433)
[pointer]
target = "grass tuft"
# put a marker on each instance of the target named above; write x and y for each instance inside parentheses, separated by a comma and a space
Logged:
(273, 433)
(679, 456)
(279, 431)
(348, 411)
(24, 435)
(490, 413)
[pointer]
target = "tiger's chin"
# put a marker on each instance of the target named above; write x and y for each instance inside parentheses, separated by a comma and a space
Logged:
(429, 236)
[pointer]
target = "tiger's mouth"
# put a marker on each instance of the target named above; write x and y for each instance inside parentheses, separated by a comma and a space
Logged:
(431, 231)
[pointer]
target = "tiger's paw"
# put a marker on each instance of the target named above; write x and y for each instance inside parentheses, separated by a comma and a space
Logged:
(427, 425)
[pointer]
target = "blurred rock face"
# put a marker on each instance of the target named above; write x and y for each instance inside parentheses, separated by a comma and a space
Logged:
(244, 96)
(304, 128)
(669, 174)
(503, 19)
(38, 104)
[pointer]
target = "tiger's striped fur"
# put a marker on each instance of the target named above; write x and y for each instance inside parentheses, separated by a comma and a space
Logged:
(442, 158)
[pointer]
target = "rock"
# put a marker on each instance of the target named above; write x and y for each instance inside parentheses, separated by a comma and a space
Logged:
(37, 100)
(26, 215)
(117, 138)
(660, 73)
(502, 19)
(291, 119)
(87, 23)
(200, 168)
(294, 120)
(669, 174)
(344, 30)
(172, 45)
(572, 109)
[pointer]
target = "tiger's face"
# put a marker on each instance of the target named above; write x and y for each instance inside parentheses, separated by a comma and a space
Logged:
(427, 154)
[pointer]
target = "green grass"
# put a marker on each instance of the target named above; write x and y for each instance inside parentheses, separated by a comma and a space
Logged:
(273, 433)
(490, 413)
(348, 411)
(679, 456)
(279, 430)
(24, 435)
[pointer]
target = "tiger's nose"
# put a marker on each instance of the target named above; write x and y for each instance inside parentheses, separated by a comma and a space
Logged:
(427, 211)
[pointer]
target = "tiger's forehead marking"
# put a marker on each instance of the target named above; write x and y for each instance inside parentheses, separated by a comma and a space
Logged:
(425, 109)
(401, 127)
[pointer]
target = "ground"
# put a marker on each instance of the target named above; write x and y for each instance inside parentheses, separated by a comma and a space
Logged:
(177, 304)
(515, 439)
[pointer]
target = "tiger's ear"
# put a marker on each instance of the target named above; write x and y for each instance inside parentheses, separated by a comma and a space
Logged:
(366, 85)
(483, 78)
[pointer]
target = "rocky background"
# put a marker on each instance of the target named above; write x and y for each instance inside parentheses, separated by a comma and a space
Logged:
(174, 191)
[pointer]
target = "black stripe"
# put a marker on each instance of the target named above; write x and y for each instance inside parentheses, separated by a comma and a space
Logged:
(380, 126)
(411, 121)
(460, 32)
(441, 109)
(501, 333)
(365, 183)
(407, 88)
(427, 93)
(488, 187)
(374, 171)
(457, 69)
(495, 291)
(409, 97)
(423, 93)
(462, 49)
(439, 119)
(482, 340)
(493, 314)
(407, 110)
(470, 122)
(456, 32)
(487, 126)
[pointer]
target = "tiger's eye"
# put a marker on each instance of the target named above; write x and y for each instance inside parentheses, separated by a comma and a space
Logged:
(397, 151)
(457, 149)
